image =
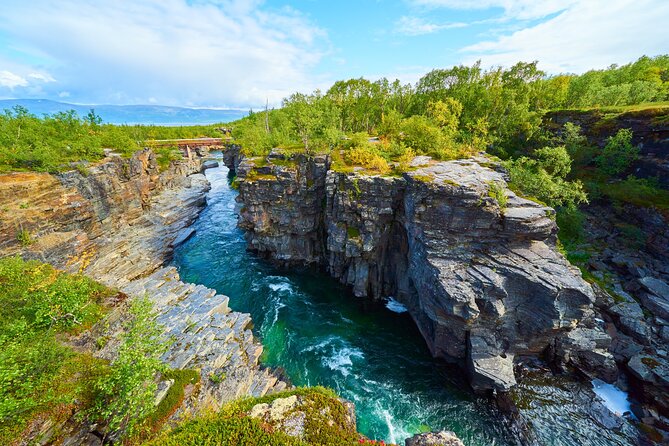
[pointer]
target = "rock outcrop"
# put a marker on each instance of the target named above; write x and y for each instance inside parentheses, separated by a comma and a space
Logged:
(443, 438)
(483, 280)
(79, 220)
(118, 222)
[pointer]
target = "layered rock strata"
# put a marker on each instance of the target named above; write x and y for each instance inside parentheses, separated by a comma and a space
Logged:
(118, 222)
(483, 280)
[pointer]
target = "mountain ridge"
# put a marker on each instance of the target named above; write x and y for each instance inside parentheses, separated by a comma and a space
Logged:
(131, 114)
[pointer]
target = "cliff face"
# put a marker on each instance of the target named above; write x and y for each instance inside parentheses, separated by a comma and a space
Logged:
(78, 220)
(118, 222)
(483, 282)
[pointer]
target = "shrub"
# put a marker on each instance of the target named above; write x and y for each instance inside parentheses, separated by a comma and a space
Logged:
(498, 192)
(367, 158)
(422, 135)
(39, 375)
(570, 221)
(618, 154)
(125, 396)
(530, 178)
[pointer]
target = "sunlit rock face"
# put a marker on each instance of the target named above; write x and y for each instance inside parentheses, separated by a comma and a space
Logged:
(483, 280)
(82, 219)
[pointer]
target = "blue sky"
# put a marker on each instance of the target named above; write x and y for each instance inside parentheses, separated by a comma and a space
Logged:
(234, 53)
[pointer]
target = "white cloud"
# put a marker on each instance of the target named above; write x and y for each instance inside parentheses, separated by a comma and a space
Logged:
(199, 52)
(516, 9)
(415, 26)
(42, 77)
(589, 34)
(11, 80)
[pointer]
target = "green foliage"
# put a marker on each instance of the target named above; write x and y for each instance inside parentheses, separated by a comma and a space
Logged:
(498, 192)
(325, 424)
(544, 178)
(554, 160)
(640, 192)
(39, 375)
(423, 136)
(125, 396)
(52, 142)
(618, 154)
(576, 145)
(446, 113)
(644, 80)
(24, 237)
(570, 220)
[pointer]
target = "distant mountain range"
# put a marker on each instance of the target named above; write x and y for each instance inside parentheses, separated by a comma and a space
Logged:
(132, 114)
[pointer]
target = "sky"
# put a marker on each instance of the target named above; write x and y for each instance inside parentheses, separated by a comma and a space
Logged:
(240, 54)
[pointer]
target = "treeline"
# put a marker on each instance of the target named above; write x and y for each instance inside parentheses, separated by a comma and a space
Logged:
(477, 108)
(49, 143)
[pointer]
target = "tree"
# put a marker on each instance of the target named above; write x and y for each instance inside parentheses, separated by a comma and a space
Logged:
(125, 395)
(446, 113)
(618, 154)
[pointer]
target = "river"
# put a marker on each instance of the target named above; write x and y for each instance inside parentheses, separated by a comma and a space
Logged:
(320, 334)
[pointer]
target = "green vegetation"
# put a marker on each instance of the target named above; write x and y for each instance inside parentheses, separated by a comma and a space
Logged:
(618, 154)
(544, 177)
(325, 424)
(52, 142)
(42, 378)
(498, 193)
(124, 397)
(39, 375)
(450, 114)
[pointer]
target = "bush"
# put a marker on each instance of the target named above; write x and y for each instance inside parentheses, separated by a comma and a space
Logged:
(125, 396)
(367, 158)
(422, 135)
(39, 375)
(530, 178)
(498, 192)
(570, 221)
(618, 154)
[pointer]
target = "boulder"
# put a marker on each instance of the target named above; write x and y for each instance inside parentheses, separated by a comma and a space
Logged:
(587, 350)
(630, 319)
(443, 438)
(209, 164)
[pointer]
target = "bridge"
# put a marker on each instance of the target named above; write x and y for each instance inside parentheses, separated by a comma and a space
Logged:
(198, 145)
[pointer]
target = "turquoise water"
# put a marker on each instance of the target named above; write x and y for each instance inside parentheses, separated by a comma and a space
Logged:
(322, 335)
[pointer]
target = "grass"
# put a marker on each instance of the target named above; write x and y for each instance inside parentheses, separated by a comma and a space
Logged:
(41, 378)
(423, 178)
(325, 424)
(498, 193)
(353, 232)
(619, 109)
(638, 192)
(169, 404)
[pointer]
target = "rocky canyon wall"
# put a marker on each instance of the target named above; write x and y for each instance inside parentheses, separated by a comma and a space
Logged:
(482, 279)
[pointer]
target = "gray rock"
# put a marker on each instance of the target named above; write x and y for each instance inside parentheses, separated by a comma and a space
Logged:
(209, 164)
(443, 438)
(182, 236)
(630, 319)
(436, 241)
(656, 287)
(657, 305)
(587, 350)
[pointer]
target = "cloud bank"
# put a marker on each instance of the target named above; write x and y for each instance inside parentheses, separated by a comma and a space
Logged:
(212, 53)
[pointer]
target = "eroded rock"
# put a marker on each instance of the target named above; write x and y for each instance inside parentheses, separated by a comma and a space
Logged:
(435, 240)
(443, 438)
